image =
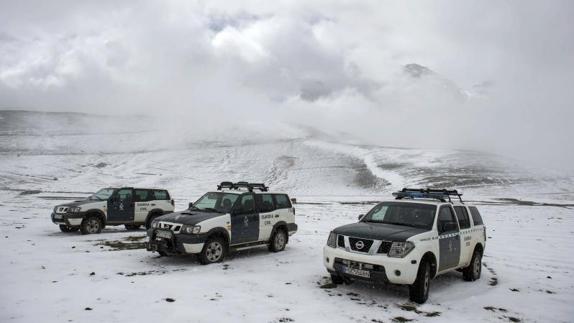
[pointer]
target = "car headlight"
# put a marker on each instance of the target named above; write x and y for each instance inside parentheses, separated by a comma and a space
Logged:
(74, 209)
(332, 241)
(191, 229)
(155, 224)
(401, 249)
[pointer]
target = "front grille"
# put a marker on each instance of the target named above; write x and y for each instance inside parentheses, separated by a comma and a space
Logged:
(385, 247)
(359, 265)
(174, 227)
(360, 245)
(341, 241)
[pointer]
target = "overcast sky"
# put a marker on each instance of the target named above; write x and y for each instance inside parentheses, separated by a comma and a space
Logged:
(490, 75)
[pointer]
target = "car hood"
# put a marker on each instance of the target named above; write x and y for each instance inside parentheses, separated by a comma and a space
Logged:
(379, 231)
(188, 217)
(81, 202)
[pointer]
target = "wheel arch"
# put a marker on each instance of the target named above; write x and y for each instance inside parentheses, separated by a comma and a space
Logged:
(280, 225)
(479, 247)
(431, 258)
(96, 212)
(218, 232)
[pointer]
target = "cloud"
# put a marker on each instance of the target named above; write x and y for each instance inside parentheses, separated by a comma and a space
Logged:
(492, 76)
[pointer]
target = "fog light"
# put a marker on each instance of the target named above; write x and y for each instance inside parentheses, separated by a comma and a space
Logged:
(397, 272)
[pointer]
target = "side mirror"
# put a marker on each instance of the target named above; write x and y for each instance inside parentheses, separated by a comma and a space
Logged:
(293, 201)
(190, 205)
(361, 216)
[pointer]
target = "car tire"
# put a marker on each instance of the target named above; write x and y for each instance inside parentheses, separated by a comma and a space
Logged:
(213, 251)
(278, 240)
(472, 272)
(337, 280)
(65, 228)
(419, 291)
(91, 224)
(131, 227)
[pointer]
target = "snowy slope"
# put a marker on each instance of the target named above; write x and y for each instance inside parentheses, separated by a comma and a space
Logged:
(46, 275)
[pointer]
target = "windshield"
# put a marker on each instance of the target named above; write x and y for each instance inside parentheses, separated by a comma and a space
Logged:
(408, 214)
(102, 194)
(215, 202)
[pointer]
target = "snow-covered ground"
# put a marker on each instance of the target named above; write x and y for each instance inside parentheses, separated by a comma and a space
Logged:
(49, 276)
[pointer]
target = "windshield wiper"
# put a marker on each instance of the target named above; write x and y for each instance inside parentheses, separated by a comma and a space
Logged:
(210, 209)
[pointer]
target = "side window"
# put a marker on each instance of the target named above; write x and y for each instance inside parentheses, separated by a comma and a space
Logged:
(282, 201)
(476, 218)
(160, 195)
(446, 221)
(245, 205)
(265, 203)
(125, 194)
(141, 195)
(462, 217)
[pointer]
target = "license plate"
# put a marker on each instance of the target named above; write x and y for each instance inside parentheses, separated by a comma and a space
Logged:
(357, 272)
(163, 234)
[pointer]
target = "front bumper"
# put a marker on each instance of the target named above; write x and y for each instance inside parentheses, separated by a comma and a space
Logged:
(69, 219)
(176, 244)
(381, 267)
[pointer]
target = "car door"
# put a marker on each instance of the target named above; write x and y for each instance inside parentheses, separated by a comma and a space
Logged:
(268, 215)
(244, 220)
(465, 234)
(121, 206)
(143, 200)
(449, 238)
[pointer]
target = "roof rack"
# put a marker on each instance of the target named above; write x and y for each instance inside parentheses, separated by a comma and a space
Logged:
(427, 193)
(249, 186)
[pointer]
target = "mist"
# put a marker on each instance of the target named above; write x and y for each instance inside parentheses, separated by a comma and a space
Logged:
(490, 76)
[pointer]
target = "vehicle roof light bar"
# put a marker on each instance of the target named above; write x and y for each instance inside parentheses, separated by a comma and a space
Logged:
(236, 186)
(427, 193)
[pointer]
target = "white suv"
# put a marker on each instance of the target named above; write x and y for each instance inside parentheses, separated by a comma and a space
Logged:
(409, 240)
(127, 206)
(236, 216)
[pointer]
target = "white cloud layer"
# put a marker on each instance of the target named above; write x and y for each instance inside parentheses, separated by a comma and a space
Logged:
(489, 75)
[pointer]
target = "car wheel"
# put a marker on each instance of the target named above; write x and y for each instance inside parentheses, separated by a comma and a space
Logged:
(419, 291)
(336, 279)
(474, 269)
(130, 227)
(65, 228)
(278, 240)
(213, 251)
(91, 224)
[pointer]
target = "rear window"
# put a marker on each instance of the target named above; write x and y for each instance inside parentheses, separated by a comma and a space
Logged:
(265, 203)
(462, 217)
(476, 218)
(142, 195)
(160, 195)
(282, 201)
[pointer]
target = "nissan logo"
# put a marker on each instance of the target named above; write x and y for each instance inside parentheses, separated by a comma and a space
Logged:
(359, 245)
